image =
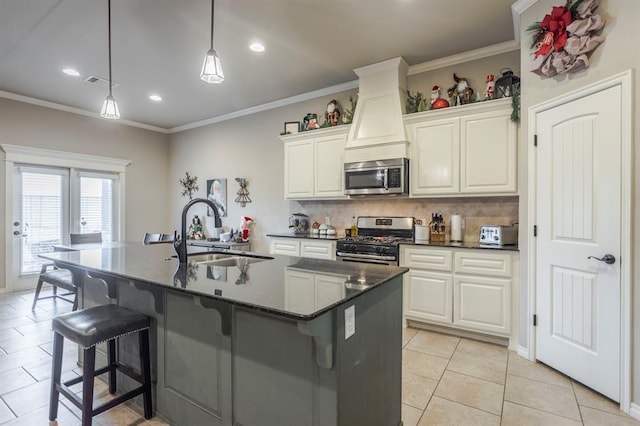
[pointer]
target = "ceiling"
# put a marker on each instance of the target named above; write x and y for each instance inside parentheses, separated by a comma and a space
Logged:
(158, 47)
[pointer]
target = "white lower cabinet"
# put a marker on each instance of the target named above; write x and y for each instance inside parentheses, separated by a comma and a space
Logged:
(461, 288)
(429, 296)
(482, 303)
(303, 247)
(286, 246)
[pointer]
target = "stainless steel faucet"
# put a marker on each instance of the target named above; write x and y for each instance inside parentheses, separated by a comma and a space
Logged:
(180, 244)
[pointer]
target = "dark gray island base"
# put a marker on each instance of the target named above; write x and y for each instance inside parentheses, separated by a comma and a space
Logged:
(264, 341)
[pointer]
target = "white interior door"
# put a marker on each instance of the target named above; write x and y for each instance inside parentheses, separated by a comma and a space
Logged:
(578, 215)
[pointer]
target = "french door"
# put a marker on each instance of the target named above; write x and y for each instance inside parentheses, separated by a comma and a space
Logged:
(51, 202)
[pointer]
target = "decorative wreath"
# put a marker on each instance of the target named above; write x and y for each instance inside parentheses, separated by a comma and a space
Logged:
(562, 41)
(189, 185)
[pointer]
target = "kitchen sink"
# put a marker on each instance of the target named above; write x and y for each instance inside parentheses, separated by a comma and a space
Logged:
(208, 257)
(221, 259)
(235, 261)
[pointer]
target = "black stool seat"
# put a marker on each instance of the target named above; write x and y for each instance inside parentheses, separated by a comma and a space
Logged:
(88, 327)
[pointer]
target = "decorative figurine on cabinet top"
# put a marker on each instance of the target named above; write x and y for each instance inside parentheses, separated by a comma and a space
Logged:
(460, 93)
(491, 85)
(436, 101)
(310, 121)
(332, 114)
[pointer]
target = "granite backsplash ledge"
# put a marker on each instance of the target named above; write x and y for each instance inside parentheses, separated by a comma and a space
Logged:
(476, 211)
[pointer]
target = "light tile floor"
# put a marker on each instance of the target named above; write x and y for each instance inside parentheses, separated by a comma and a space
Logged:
(449, 380)
(446, 380)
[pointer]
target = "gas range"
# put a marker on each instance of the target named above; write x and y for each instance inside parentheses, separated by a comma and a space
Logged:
(377, 240)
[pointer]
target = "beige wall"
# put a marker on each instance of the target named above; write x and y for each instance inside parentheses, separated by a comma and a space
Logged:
(618, 53)
(147, 191)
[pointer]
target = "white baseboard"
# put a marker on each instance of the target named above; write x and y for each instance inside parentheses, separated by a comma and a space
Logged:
(523, 352)
(634, 410)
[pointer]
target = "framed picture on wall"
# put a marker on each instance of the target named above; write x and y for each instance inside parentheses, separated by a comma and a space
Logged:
(217, 192)
(291, 127)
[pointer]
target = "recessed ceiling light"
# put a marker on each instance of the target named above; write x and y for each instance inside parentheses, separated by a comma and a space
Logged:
(155, 98)
(257, 47)
(71, 72)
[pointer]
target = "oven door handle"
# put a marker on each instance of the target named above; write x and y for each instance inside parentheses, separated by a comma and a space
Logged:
(364, 256)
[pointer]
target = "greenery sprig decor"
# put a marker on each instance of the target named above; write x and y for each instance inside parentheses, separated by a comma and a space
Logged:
(563, 40)
(515, 107)
(189, 185)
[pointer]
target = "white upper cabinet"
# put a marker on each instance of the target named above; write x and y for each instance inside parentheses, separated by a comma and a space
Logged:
(488, 153)
(466, 150)
(314, 163)
(435, 160)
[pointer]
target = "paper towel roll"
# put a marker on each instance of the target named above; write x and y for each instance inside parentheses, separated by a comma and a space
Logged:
(456, 227)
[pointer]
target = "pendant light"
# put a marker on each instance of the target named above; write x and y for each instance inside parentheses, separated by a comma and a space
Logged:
(212, 67)
(110, 107)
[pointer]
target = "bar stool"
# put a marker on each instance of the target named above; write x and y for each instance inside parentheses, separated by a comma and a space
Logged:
(88, 327)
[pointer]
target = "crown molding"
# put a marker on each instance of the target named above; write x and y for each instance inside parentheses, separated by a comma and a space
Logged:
(518, 9)
(78, 111)
(269, 105)
(471, 55)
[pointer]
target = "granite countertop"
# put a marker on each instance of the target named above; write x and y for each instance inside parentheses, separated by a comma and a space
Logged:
(465, 244)
(308, 235)
(213, 243)
(261, 285)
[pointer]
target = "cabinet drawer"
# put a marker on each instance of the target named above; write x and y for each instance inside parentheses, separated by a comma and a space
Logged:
(286, 247)
(318, 250)
(482, 303)
(425, 258)
(483, 263)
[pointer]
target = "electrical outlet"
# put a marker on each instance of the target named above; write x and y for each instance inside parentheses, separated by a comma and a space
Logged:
(349, 321)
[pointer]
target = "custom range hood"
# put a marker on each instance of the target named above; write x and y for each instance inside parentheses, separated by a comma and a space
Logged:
(377, 131)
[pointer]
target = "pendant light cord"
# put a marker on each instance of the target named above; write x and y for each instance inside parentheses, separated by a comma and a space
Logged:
(212, 9)
(109, 33)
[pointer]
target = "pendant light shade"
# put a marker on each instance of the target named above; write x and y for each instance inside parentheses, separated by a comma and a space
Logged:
(110, 107)
(212, 67)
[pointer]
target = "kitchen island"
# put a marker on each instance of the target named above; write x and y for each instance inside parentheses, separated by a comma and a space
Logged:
(256, 340)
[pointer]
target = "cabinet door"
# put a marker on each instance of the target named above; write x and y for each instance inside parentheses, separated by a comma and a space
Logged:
(284, 246)
(435, 167)
(318, 249)
(298, 169)
(488, 153)
(329, 166)
(429, 296)
(482, 304)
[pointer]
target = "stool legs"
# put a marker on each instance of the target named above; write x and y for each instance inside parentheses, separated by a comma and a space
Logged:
(145, 369)
(88, 370)
(56, 372)
(111, 359)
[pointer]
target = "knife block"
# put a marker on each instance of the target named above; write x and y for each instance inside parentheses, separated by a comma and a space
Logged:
(437, 235)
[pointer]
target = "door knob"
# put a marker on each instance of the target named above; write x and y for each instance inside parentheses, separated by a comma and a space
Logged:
(609, 259)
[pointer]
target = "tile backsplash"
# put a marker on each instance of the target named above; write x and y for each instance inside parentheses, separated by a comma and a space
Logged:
(476, 211)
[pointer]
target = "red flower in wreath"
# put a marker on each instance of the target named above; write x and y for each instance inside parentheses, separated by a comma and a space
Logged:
(554, 28)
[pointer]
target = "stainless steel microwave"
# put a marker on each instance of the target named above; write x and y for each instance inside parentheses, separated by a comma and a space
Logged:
(377, 177)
